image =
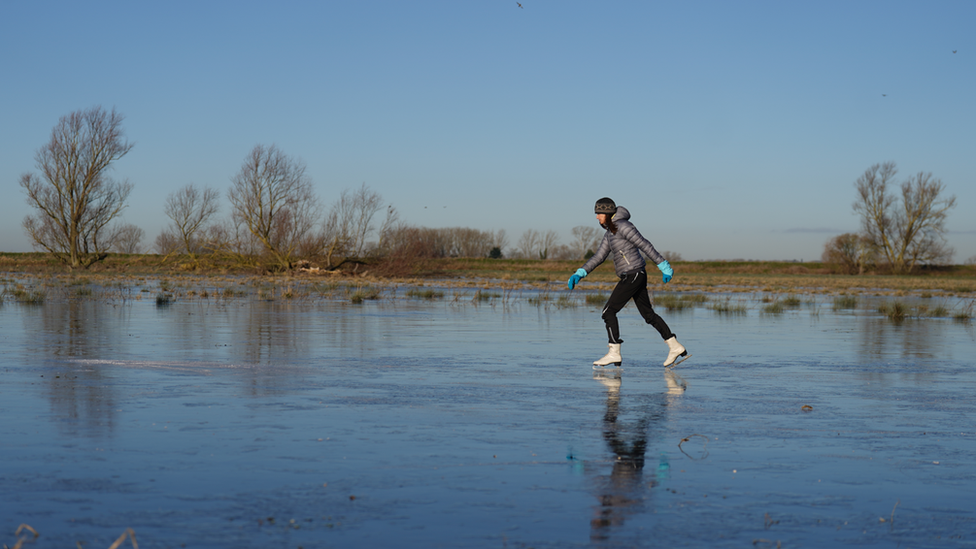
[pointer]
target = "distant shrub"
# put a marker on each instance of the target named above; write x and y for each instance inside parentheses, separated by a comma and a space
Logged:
(852, 253)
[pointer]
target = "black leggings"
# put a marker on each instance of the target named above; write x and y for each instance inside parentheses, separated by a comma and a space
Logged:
(633, 285)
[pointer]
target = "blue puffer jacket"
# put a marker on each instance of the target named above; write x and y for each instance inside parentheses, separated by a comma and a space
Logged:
(625, 245)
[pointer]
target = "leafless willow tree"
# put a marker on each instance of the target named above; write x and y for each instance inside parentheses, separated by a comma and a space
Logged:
(338, 231)
(528, 244)
(350, 224)
(499, 239)
(908, 231)
(366, 203)
(127, 239)
(189, 210)
(273, 198)
(73, 197)
(548, 244)
(584, 239)
(391, 222)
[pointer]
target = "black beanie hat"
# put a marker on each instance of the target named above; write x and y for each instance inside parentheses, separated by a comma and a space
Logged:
(605, 206)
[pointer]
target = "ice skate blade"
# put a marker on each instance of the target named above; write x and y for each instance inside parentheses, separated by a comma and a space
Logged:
(679, 360)
(608, 368)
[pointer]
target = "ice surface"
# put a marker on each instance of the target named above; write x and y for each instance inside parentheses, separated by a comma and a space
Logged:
(405, 423)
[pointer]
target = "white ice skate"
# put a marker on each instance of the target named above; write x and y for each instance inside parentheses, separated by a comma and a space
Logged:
(676, 350)
(612, 358)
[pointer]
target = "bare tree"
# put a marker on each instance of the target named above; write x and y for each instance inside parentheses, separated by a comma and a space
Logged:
(548, 242)
(562, 252)
(365, 204)
(584, 239)
(189, 210)
(853, 252)
(906, 233)
(338, 230)
(499, 239)
(273, 198)
(167, 243)
(348, 226)
(528, 244)
(229, 238)
(73, 196)
(391, 223)
(127, 239)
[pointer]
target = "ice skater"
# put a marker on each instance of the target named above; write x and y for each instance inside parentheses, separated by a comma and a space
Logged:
(625, 241)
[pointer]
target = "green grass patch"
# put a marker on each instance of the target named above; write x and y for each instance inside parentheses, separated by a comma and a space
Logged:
(27, 296)
(678, 302)
(564, 301)
(845, 302)
(364, 293)
(791, 302)
(895, 310)
(964, 314)
(597, 298)
(485, 296)
(727, 307)
(231, 292)
(425, 294)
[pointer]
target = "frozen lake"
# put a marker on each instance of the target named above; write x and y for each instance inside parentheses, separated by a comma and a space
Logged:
(457, 423)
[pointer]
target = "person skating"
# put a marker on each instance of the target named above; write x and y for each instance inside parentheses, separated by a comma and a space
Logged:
(626, 242)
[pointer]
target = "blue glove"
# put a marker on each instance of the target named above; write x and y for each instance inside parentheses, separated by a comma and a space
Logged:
(667, 270)
(577, 276)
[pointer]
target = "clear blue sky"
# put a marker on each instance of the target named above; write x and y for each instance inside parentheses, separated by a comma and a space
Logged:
(729, 129)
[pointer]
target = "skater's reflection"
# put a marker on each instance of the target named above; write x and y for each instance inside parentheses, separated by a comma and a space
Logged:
(626, 430)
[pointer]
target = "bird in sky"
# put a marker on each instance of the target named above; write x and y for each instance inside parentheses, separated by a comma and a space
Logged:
(884, 95)
(520, 5)
(953, 51)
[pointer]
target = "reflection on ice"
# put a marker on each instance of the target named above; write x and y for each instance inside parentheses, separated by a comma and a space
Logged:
(448, 423)
(626, 432)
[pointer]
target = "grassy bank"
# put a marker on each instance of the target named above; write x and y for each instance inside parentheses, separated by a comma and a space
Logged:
(690, 276)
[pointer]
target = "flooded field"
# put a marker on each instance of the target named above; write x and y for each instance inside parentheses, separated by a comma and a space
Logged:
(436, 419)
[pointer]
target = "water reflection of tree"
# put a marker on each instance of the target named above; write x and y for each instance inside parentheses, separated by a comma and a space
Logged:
(910, 338)
(272, 340)
(60, 334)
(622, 493)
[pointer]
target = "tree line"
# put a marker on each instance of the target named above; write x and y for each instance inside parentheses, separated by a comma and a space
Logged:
(276, 219)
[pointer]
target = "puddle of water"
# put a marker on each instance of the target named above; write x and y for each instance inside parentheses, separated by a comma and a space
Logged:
(426, 423)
